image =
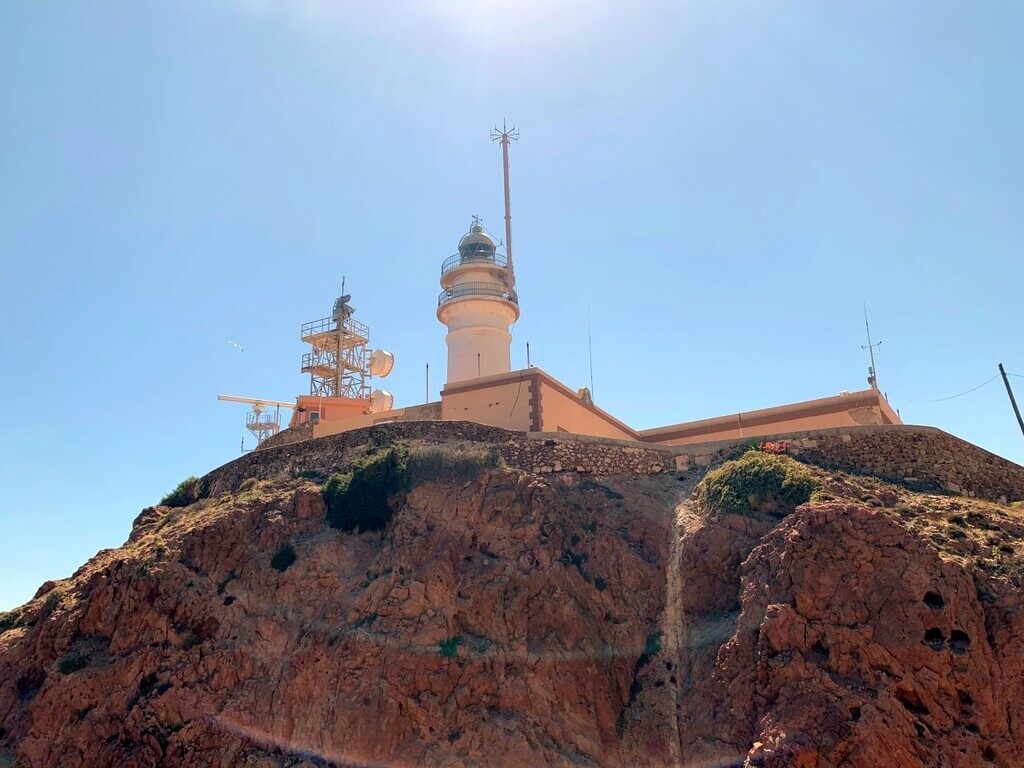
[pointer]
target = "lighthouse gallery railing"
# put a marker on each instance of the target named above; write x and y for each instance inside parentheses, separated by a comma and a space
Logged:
(462, 290)
(458, 260)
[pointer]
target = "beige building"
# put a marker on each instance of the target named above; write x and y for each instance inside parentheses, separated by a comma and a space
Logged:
(531, 400)
(478, 305)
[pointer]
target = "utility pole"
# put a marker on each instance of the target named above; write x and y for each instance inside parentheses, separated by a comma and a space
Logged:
(872, 374)
(1013, 400)
(505, 135)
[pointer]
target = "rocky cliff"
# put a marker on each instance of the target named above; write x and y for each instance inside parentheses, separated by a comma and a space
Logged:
(506, 617)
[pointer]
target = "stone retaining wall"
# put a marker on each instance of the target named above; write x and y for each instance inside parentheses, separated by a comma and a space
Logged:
(927, 459)
(542, 454)
(288, 436)
(530, 452)
(325, 455)
(921, 457)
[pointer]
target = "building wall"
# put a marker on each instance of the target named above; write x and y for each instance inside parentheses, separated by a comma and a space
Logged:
(506, 401)
(864, 408)
(531, 400)
(329, 408)
(562, 410)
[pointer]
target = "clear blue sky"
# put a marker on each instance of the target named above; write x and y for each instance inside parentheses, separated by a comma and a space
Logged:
(719, 186)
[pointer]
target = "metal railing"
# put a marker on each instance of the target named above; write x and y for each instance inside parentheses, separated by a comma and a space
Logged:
(462, 290)
(317, 360)
(326, 324)
(459, 260)
(264, 419)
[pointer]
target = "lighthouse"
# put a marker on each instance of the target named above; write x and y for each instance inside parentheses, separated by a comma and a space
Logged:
(478, 305)
(478, 299)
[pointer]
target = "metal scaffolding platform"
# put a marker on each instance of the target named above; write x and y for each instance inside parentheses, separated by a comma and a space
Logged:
(338, 363)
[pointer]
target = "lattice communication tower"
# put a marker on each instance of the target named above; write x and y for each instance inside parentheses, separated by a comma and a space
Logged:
(340, 364)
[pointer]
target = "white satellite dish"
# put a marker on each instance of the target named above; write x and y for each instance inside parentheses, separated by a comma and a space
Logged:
(381, 401)
(381, 362)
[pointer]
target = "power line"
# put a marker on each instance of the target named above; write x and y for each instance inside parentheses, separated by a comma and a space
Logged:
(953, 397)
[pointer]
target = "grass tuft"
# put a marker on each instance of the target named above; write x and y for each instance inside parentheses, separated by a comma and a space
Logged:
(450, 464)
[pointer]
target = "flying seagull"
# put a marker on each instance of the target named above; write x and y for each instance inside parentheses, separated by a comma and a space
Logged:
(236, 345)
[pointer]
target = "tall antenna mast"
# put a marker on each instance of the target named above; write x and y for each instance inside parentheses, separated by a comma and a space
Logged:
(590, 353)
(505, 135)
(872, 371)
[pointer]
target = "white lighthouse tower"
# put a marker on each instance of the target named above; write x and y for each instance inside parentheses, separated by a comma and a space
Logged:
(478, 306)
(478, 302)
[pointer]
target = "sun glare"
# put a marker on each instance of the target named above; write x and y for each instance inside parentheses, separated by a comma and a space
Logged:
(534, 20)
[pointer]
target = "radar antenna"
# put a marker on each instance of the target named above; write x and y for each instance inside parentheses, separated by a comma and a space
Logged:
(261, 422)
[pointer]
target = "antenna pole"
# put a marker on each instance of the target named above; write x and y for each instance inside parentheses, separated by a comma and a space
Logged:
(872, 374)
(505, 135)
(1013, 400)
(590, 353)
(427, 391)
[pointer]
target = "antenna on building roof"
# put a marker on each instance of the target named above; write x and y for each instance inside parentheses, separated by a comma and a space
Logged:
(590, 353)
(504, 135)
(872, 371)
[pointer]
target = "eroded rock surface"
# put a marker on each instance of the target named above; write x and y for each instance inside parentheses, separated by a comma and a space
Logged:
(528, 620)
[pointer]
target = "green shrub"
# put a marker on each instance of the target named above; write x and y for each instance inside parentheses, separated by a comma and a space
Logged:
(652, 644)
(360, 498)
(652, 647)
(450, 647)
(452, 464)
(10, 620)
(283, 557)
(189, 491)
(72, 663)
(757, 483)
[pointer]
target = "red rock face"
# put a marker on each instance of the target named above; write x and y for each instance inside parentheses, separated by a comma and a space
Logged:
(524, 621)
(854, 643)
(494, 624)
